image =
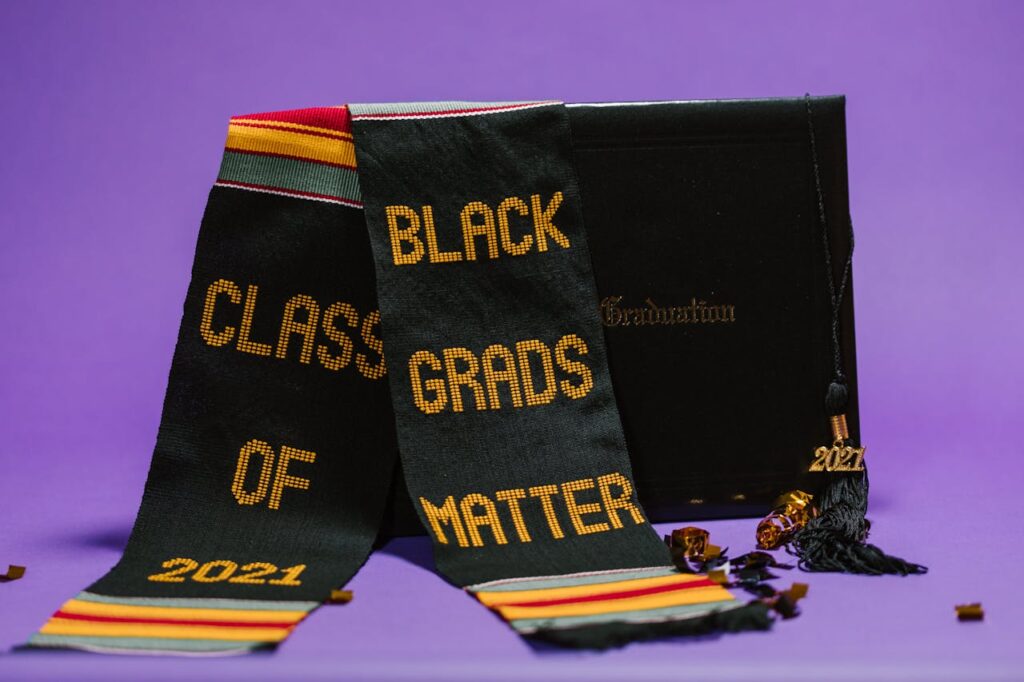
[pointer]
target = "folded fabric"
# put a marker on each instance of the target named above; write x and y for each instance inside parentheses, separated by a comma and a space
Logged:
(461, 242)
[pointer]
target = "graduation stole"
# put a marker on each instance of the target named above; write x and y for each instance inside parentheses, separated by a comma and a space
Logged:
(276, 448)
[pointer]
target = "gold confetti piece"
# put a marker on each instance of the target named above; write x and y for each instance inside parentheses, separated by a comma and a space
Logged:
(791, 512)
(796, 591)
(340, 597)
(712, 551)
(718, 576)
(970, 612)
(693, 540)
(13, 573)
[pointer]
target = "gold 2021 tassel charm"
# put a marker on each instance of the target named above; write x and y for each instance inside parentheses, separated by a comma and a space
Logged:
(839, 457)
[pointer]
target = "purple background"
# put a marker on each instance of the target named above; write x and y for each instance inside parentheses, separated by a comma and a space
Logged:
(112, 122)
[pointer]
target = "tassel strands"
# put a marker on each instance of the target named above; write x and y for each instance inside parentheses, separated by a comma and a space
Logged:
(834, 541)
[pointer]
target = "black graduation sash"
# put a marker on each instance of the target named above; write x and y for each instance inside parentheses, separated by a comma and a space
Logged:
(277, 447)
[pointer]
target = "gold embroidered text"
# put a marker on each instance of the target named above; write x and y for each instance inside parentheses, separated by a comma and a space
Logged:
(272, 477)
(697, 312)
(501, 376)
(514, 227)
(303, 322)
(590, 505)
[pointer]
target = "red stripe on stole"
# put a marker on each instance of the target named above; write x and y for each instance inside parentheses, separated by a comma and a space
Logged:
(166, 621)
(332, 118)
(624, 594)
(346, 137)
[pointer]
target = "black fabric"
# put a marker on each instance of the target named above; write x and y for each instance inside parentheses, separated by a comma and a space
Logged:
(496, 298)
(501, 387)
(714, 201)
(753, 616)
(219, 398)
(720, 203)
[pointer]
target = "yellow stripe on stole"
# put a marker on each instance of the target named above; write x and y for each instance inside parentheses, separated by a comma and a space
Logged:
(512, 597)
(59, 626)
(308, 147)
(90, 608)
(696, 595)
(293, 126)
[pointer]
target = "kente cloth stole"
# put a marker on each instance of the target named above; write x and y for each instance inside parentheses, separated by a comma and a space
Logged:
(278, 436)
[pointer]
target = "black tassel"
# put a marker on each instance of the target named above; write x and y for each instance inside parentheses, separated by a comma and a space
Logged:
(836, 398)
(835, 540)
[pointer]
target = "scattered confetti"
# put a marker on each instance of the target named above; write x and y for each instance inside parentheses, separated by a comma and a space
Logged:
(791, 512)
(13, 573)
(759, 560)
(340, 597)
(719, 576)
(692, 552)
(970, 612)
(691, 539)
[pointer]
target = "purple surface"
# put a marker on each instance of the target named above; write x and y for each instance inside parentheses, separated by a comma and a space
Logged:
(113, 118)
